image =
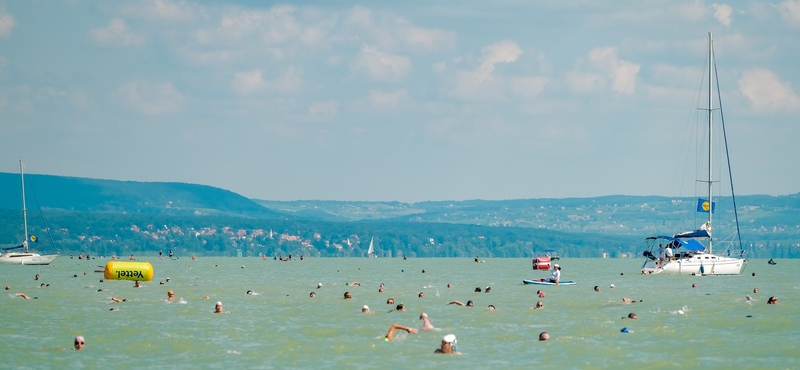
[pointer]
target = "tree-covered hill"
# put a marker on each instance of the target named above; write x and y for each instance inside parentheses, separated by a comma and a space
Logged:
(93, 195)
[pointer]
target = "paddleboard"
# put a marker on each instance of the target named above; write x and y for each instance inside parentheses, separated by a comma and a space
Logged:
(539, 282)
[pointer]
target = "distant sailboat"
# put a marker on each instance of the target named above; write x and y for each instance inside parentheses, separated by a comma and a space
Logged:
(10, 257)
(371, 251)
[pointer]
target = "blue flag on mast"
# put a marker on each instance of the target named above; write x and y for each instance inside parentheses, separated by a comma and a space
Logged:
(703, 206)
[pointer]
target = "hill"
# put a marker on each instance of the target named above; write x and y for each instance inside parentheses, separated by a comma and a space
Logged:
(93, 195)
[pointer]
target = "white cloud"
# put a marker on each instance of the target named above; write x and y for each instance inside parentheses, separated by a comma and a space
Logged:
(7, 22)
(723, 13)
(790, 10)
(505, 51)
(427, 39)
(324, 109)
(766, 91)
(161, 10)
(116, 34)
(149, 98)
(388, 100)
(245, 83)
(605, 66)
(253, 82)
(381, 66)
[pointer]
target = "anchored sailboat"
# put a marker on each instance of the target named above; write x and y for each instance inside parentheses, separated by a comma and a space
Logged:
(13, 257)
(682, 253)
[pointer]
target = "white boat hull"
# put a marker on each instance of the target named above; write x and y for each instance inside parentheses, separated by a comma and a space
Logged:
(26, 259)
(698, 264)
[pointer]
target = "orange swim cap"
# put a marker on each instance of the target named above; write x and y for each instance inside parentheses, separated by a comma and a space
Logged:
(205, 297)
(170, 292)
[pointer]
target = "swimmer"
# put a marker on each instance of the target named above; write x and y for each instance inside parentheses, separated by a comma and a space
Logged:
(319, 285)
(540, 294)
(347, 295)
(631, 316)
(772, 300)
(539, 305)
(37, 277)
(382, 286)
(426, 324)
(137, 284)
(171, 296)
(612, 286)
(628, 300)
(380, 290)
(390, 301)
(249, 292)
(8, 287)
(754, 290)
(448, 345)
(354, 283)
(488, 289)
(423, 271)
(390, 334)
(421, 294)
(312, 295)
(449, 285)
(161, 282)
(26, 297)
(477, 289)
(400, 307)
(468, 304)
(79, 343)
(544, 336)
(218, 307)
(491, 307)
(117, 300)
(366, 310)
(168, 280)
(694, 285)
(596, 288)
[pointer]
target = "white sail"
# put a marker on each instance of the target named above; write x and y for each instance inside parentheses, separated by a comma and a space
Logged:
(371, 251)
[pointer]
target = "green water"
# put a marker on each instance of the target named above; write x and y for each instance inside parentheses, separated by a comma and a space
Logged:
(282, 327)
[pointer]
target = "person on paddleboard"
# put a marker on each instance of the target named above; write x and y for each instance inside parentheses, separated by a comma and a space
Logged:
(556, 274)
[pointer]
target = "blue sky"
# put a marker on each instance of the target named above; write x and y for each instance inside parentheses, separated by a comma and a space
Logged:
(409, 101)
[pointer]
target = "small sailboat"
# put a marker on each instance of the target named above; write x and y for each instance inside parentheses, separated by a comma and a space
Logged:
(13, 257)
(683, 253)
(371, 251)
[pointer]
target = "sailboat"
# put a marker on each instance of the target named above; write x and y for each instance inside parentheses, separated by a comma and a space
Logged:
(13, 257)
(683, 253)
(371, 251)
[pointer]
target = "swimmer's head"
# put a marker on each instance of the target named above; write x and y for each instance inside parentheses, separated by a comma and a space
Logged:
(469, 303)
(218, 307)
(423, 316)
(390, 301)
(451, 340)
(544, 336)
(365, 308)
(312, 295)
(79, 342)
(170, 294)
(612, 285)
(401, 307)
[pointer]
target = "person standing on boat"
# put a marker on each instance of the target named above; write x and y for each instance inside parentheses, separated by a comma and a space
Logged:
(668, 252)
(660, 256)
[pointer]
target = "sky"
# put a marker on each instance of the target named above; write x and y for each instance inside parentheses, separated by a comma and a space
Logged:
(407, 101)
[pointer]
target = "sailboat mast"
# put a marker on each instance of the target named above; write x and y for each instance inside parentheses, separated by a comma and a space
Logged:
(710, 116)
(24, 210)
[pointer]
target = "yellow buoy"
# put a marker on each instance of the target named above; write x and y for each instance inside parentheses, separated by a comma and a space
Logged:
(117, 270)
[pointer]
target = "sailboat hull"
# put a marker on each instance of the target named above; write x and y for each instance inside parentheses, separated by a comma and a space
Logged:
(26, 259)
(702, 264)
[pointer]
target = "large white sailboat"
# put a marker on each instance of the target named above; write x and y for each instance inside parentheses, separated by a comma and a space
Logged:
(683, 253)
(13, 257)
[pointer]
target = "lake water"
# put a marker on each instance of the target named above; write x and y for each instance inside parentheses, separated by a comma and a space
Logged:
(711, 326)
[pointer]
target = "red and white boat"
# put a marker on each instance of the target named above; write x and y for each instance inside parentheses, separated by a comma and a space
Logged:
(541, 263)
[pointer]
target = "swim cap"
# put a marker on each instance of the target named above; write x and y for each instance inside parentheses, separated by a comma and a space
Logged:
(219, 303)
(612, 285)
(625, 330)
(170, 292)
(451, 339)
(80, 338)
(366, 307)
(469, 303)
